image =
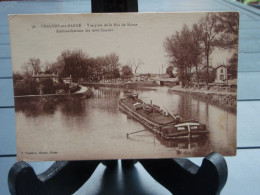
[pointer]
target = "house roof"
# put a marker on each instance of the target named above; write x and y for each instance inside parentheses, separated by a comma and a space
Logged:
(221, 66)
(210, 68)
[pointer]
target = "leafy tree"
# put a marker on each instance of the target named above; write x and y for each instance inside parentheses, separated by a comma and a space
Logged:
(232, 68)
(182, 51)
(126, 71)
(228, 26)
(100, 64)
(48, 72)
(27, 86)
(74, 64)
(197, 52)
(112, 64)
(169, 70)
(58, 66)
(48, 86)
(17, 77)
(207, 32)
(116, 73)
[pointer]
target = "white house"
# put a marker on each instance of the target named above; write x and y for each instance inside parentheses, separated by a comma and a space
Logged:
(221, 74)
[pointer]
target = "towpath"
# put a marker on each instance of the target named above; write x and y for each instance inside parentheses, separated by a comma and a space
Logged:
(83, 89)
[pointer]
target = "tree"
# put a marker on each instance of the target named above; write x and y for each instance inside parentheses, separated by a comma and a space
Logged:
(26, 86)
(48, 86)
(228, 26)
(116, 73)
(33, 66)
(126, 72)
(216, 30)
(112, 64)
(232, 68)
(58, 66)
(17, 77)
(189, 49)
(100, 67)
(48, 72)
(135, 65)
(182, 51)
(207, 33)
(169, 70)
(74, 64)
(197, 51)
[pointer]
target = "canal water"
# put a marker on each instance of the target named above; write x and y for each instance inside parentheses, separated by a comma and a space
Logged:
(95, 128)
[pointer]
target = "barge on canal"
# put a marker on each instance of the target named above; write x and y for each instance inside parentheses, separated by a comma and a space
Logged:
(160, 121)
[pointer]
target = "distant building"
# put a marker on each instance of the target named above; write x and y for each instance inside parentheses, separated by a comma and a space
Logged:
(169, 81)
(141, 77)
(67, 80)
(221, 74)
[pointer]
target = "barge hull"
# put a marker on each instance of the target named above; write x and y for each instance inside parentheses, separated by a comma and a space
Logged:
(150, 125)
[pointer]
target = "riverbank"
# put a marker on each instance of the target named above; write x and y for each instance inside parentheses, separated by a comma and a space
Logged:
(82, 92)
(224, 99)
(130, 85)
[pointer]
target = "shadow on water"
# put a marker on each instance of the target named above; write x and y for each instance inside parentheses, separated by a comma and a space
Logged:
(73, 108)
(187, 99)
(195, 145)
(35, 108)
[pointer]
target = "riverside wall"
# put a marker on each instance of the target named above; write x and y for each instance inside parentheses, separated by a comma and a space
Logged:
(54, 97)
(225, 100)
(48, 97)
(133, 85)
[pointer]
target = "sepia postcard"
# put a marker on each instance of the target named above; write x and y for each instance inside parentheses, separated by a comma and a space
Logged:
(124, 85)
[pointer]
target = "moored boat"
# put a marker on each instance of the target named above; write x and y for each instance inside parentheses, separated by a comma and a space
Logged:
(159, 120)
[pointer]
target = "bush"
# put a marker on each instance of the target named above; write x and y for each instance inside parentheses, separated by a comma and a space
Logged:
(27, 86)
(48, 86)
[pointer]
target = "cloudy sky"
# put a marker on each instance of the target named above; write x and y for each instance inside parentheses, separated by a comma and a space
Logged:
(35, 36)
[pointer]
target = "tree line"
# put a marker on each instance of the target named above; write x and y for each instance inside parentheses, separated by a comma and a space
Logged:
(76, 64)
(189, 49)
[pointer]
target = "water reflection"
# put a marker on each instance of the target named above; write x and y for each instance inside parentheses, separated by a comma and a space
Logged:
(34, 109)
(98, 122)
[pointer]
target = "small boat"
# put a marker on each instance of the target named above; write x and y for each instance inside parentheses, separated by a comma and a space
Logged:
(159, 120)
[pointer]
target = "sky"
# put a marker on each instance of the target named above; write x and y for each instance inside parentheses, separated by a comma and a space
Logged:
(35, 36)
